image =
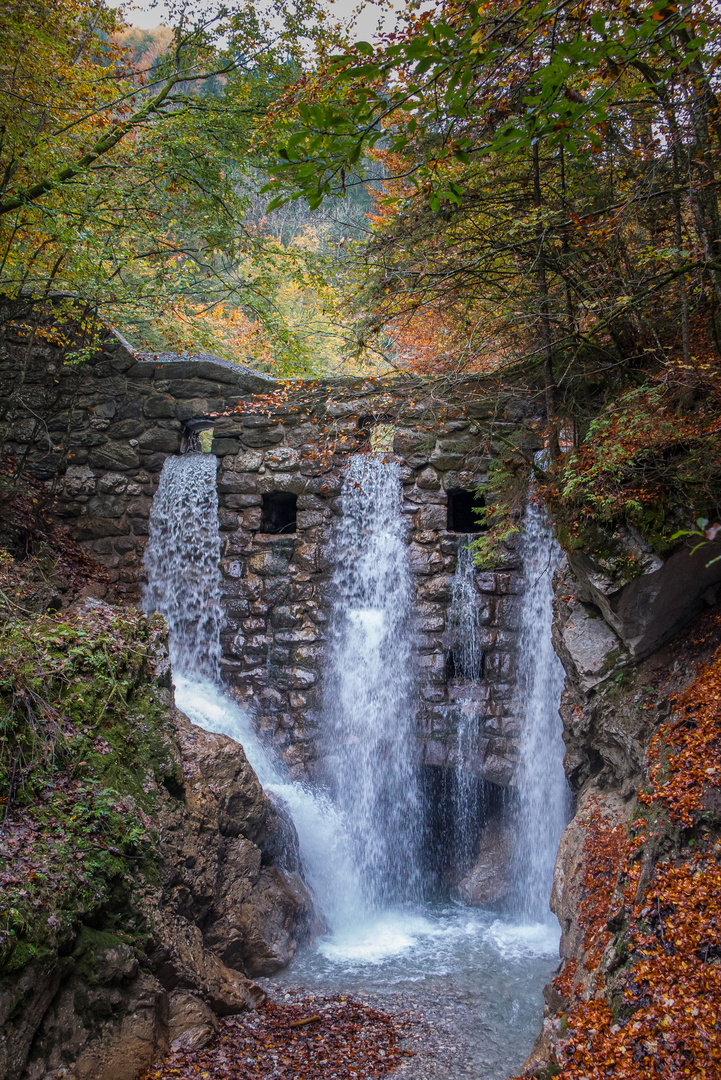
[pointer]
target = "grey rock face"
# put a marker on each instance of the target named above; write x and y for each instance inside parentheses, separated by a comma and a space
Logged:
(488, 880)
(647, 610)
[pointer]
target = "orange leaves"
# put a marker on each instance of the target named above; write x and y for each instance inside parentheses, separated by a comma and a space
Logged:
(686, 755)
(656, 1012)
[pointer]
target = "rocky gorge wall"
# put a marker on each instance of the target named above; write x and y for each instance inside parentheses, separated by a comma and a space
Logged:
(98, 432)
(638, 871)
(111, 955)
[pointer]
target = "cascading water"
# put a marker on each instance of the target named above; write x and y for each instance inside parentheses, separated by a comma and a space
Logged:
(464, 631)
(182, 561)
(369, 721)
(542, 785)
(183, 566)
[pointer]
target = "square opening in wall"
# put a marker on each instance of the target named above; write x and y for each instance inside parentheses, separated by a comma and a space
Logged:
(461, 506)
(278, 512)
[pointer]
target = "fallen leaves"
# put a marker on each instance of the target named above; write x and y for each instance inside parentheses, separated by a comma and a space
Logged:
(656, 1013)
(330, 1038)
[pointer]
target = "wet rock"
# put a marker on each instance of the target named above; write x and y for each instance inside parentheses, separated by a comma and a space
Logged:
(588, 647)
(261, 935)
(488, 880)
(24, 1000)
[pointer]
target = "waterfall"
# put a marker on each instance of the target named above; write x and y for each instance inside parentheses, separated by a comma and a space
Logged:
(467, 664)
(369, 709)
(542, 785)
(182, 562)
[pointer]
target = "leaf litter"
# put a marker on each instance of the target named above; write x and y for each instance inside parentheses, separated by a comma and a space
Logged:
(333, 1038)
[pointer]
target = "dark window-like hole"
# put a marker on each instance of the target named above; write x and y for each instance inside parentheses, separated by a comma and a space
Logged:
(367, 423)
(461, 516)
(461, 666)
(278, 513)
(197, 437)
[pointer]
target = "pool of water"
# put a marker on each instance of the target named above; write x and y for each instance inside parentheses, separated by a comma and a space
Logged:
(470, 979)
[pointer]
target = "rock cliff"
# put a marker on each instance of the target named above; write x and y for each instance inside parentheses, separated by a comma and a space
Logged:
(637, 876)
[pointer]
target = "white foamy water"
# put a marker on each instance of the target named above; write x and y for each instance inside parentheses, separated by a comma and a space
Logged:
(542, 785)
(358, 842)
(182, 561)
(368, 709)
(322, 834)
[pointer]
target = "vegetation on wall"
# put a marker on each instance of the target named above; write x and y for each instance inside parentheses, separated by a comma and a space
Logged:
(83, 746)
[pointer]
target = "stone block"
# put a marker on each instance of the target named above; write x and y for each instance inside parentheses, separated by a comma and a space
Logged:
(140, 506)
(237, 483)
(327, 485)
(296, 678)
(79, 480)
(106, 506)
(185, 389)
(288, 616)
(227, 520)
(196, 408)
(221, 447)
(263, 436)
(312, 502)
(303, 635)
(227, 427)
(157, 406)
(308, 654)
(428, 479)
(231, 568)
(291, 482)
(94, 528)
(267, 562)
(438, 588)
(416, 459)
(252, 518)
(248, 461)
(160, 440)
(306, 557)
(283, 457)
(113, 455)
(309, 519)
(124, 544)
(102, 547)
(154, 462)
(444, 460)
(112, 483)
(432, 517)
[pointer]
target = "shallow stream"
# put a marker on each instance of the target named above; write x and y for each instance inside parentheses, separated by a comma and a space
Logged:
(470, 980)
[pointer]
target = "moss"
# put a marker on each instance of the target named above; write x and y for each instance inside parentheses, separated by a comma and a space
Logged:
(84, 755)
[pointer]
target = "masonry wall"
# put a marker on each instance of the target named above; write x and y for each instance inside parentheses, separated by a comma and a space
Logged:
(99, 432)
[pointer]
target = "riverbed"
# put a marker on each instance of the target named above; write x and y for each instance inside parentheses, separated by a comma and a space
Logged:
(467, 982)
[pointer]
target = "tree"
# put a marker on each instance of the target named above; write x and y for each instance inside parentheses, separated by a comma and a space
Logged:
(551, 211)
(123, 183)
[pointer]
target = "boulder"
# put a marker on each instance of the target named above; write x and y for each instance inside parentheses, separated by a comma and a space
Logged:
(647, 610)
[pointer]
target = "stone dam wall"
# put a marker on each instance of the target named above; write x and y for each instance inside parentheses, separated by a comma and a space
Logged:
(98, 432)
